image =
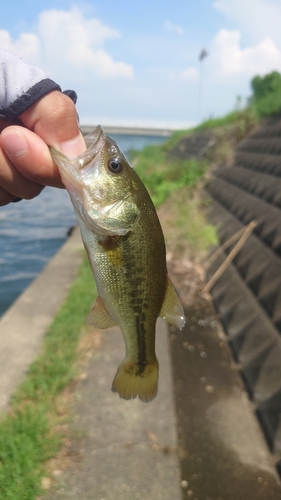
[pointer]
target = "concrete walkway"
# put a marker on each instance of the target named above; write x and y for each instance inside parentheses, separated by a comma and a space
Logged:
(25, 323)
(122, 450)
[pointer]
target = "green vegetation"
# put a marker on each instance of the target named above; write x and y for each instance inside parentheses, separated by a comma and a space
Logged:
(193, 226)
(266, 99)
(27, 436)
(163, 176)
(174, 183)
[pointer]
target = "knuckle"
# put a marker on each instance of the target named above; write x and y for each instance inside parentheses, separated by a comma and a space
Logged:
(52, 110)
(62, 106)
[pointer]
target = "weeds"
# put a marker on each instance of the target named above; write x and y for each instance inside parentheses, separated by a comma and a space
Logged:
(163, 176)
(171, 182)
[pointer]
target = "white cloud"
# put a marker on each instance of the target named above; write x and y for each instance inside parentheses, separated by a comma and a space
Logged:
(174, 28)
(229, 60)
(256, 19)
(190, 74)
(65, 43)
(27, 46)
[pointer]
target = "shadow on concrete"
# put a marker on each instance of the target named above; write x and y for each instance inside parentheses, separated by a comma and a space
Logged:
(223, 453)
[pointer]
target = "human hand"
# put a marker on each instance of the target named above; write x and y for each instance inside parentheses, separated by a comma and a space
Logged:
(26, 165)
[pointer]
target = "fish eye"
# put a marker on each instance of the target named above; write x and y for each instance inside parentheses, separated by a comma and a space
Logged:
(115, 165)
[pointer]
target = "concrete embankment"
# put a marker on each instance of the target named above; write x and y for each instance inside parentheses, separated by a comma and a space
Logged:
(247, 295)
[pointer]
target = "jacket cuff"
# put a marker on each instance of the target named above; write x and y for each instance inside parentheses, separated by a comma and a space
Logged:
(26, 100)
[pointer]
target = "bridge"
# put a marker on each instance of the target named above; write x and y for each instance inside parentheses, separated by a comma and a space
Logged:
(160, 132)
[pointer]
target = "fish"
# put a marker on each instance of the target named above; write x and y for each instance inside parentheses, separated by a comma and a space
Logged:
(125, 245)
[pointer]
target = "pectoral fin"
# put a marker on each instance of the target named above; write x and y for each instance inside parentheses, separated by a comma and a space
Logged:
(99, 317)
(172, 310)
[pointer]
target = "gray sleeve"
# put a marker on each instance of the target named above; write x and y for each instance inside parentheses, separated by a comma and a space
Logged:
(21, 85)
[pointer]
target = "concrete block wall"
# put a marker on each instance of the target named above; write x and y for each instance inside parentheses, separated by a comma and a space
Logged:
(248, 295)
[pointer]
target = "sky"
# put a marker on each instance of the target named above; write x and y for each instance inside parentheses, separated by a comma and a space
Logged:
(136, 62)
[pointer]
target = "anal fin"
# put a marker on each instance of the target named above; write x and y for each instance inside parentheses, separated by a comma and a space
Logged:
(99, 317)
(172, 310)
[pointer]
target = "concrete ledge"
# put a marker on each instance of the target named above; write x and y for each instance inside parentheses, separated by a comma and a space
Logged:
(24, 324)
(150, 131)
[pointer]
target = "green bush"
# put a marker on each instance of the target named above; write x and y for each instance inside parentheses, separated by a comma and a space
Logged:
(266, 99)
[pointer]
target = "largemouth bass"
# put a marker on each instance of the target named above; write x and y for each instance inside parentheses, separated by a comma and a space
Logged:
(126, 249)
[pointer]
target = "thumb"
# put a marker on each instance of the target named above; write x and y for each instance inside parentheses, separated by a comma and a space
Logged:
(54, 119)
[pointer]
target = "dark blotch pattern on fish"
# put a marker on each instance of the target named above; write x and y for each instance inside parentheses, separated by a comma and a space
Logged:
(138, 304)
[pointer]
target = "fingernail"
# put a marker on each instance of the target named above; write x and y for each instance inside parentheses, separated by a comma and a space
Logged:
(74, 147)
(14, 142)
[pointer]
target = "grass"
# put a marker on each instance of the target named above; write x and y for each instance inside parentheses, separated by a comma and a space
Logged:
(163, 176)
(27, 437)
(172, 182)
(193, 227)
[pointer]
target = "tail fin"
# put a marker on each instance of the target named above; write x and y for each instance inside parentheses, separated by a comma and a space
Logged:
(129, 383)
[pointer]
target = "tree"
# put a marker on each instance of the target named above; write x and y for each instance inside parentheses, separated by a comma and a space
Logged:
(262, 86)
(266, 99)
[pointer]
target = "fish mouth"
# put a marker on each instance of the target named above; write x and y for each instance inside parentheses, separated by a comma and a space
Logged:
(94, 137)
(94, 142)
(70, 167)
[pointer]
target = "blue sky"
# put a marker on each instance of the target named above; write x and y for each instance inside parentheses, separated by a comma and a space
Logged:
(136, 62)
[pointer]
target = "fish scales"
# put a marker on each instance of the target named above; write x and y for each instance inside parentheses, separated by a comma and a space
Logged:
(125, 245)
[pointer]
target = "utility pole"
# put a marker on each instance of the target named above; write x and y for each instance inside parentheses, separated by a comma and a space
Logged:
(202, 56)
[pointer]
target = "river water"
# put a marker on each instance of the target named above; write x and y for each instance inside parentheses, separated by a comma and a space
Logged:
(32, 231)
